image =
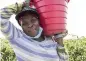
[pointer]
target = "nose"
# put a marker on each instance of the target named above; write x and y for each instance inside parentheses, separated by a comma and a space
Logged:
(30, 25)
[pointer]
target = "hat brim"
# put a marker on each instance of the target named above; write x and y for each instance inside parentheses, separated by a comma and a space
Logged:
(26, 11)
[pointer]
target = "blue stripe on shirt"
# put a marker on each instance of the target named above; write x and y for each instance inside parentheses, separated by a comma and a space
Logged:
(19, 59)
(7, 26)
(4, 17)
(33, 52)
(48, 46)
(5, 10)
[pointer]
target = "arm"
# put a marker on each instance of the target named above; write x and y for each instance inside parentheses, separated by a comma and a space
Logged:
(6, 27)
(60, 46)
(59, 37)
(61, 50)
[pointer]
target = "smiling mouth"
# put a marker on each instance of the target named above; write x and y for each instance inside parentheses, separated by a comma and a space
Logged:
(32, 30)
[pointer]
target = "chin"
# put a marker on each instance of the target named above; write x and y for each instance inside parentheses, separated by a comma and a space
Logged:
(32, 35)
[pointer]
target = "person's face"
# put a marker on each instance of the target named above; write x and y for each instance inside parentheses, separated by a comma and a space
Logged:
(30, 24)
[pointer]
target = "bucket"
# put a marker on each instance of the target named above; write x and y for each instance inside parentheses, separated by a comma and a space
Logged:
(52, 15)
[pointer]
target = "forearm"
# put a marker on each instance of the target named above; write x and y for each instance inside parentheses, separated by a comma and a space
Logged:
(7, 28)
(60, 47)
(60, 41)
(63, 55)
(59, 37)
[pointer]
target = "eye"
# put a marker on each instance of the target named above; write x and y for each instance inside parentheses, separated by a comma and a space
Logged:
(34, 19)
(25, 23)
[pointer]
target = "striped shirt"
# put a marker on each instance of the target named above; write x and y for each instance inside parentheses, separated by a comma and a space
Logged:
(26, 48)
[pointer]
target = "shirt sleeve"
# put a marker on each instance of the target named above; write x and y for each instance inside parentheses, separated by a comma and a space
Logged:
(63, 55)
(6, 27)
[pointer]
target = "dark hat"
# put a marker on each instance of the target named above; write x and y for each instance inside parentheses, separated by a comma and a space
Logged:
(26, 10)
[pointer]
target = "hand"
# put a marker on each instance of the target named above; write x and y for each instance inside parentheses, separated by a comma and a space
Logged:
(60, 41)
(59, 38)
(28, 3)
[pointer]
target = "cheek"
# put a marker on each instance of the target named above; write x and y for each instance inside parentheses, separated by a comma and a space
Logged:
(24, 28)
(36, 24)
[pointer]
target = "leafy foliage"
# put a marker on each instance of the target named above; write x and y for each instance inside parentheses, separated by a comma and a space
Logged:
(6, 51)
(75, 48)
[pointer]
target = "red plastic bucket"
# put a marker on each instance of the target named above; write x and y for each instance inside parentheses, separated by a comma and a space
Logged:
(53, 8)
(52, 15)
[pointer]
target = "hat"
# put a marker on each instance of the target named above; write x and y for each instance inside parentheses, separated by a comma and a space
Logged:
(26, 10)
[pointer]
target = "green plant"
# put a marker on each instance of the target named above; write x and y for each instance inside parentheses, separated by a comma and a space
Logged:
(7, 53)
(76, 49)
